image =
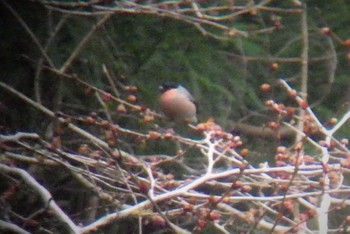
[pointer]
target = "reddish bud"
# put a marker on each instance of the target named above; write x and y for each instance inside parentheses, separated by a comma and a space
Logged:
(303, 217)
(281, 157)
(279, 215)
(297, 3)
(346, 162)
(143, 187)
(253, 211)
(292, 93)
(167, 136)
(171, 184)
(244, 152)
(298, 146)
(68, 120)
(131, 89)
(58, 131)
(95, 155)
(56, 143)
(201, 127)
(89, 90)
(290, 111)
(288, 205)
(280, 163)
(311, 213)
(143, 107)
(214, 215)
(269, 103)
(153, 135)
(309, 159)
(280, 107)
(333, 121)
(94, 115)
(89, 120)
(347, 56)
(236, 185)
(273, 125)
(326, 31)
(10, 193)
(303, 104)
(192, 200)
(169, 176)
(334, 177)
(31, 223)
(232, 32)
(111, 143)
(243, 165)
(347, 42)
(158, 221)
(274, 66)
(212, 200)
(121, 108)
(180, 152)
(148, 118)
(246, 188)
(281, 149)
(132, 98)
(171, 131)
(283, 188)
(201, 223)
(347, 219)
(277, 24)
(84, 149)
(321, 182)
(188, 208)
(153, 159)
(106, 96)
(265, 87)
(104, 123)
(323, 143)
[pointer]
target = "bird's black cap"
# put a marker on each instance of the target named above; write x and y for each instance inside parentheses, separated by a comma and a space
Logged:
(167, 86)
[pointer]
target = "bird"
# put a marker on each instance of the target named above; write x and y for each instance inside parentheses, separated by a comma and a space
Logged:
(177, 103)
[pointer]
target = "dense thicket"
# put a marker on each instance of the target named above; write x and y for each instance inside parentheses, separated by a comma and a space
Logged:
(128, 54)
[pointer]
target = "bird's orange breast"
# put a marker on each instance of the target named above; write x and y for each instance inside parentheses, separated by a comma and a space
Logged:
(177, 106)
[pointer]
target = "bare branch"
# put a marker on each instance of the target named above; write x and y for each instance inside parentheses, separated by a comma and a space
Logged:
(44, 194)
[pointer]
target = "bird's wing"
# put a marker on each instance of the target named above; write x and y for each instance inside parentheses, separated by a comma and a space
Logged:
(185, 92)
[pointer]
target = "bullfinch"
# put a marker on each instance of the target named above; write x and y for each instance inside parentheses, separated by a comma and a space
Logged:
(177, 103)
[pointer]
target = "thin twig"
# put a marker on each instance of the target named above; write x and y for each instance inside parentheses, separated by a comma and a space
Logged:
(304, 68)
(84, 42)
